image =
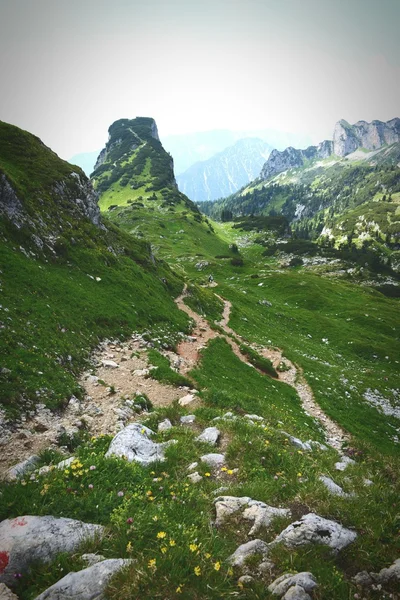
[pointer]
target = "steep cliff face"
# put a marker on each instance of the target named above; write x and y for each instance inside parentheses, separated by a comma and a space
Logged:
(371, 136)
(134, 156)
(346, 139)
(292, 158)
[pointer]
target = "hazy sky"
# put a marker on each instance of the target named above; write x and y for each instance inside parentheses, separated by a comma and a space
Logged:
(69, 68)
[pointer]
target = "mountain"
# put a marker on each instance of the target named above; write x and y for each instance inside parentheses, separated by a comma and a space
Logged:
(68, 276)
(135, 179)
(225, 172)
(85, 161)
(348, 199)
(188, 149)
(130, 394)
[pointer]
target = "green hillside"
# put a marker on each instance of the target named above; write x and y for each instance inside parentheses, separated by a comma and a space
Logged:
(343, 202)
(66, 282)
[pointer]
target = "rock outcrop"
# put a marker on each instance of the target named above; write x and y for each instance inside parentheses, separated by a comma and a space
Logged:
(371, 136)
(346, 139)
(27, 539)
(88, 584)
(134, 444)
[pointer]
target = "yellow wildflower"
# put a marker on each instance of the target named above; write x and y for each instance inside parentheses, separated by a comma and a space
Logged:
(151, 498)
(217, 565)
(299, 474)
(224, 469)
(207, 555)
(152, 564)
(197, 571)
(66, 472)
(207, 474)
(178, 590)
(155, 518)
(129, 547)
(172, 543)
(267, 442)
(193, 547)
(164, 549)
(230, 471)
(161, 535)
(149, 493)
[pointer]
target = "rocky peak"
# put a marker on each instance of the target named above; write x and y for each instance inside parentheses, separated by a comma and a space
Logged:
(292, 158)
(124, 136)
(371, 136)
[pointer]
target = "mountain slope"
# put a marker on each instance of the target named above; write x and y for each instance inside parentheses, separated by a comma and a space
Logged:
(225, 172)
(135, 179)
(318, 191)
(68, 277)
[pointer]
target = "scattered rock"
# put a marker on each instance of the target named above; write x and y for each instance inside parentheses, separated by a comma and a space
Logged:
(185, 400)
(213, 460)
(109, 364)
(313, 529)
(392, 573)
(19, 470)
(344, 462)
(6, 593)
(193, 466)
(368, 482)
(134, 443)
(29, 538)
(305, 580)
(363, 578)
(254, 418)
(195, 477)
(210, 436)
(258, 512)
(92, 559)
(333, 487)
(245, 551)
(245, 580)
(307, 446)
(188, 419)
(164, 425)
(88, 584)
(296, 593)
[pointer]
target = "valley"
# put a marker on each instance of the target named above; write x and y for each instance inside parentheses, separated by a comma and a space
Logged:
(255, 368)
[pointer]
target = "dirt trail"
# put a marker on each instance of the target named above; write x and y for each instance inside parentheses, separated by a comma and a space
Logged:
(293, 376)
(105, 407)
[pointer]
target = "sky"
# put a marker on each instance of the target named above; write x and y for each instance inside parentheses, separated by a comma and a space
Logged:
(69, 68)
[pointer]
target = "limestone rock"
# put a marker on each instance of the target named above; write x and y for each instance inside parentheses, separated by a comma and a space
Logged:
(213, 460)
(88, 584)
(109, 364)
(280, 586)
(26, 539)
(92, 559)
(185, 400)
(134, 443)
(258, 512)
(19, 470)
(333, 487)
(344, 462)
(6, 593)
(297, 592)
(313, 529)
(392, 573)
(210, 435)
(195, 477)
(164, 425)
(188, 419)
(241, 554)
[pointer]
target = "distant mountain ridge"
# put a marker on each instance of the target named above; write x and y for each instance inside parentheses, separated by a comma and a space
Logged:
(346, 139)
(225, 172)
(188, 149)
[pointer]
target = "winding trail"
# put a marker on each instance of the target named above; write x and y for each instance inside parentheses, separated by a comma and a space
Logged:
(188, 352)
